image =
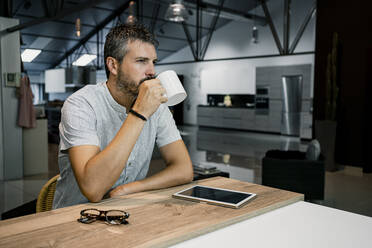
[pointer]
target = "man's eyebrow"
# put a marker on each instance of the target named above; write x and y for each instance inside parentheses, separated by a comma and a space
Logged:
(144, 58)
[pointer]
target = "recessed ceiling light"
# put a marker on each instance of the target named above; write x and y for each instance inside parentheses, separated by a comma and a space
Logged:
(84, 60)
(30, 54)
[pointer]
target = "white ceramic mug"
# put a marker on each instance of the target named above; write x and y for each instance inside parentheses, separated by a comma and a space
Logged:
(172, 84)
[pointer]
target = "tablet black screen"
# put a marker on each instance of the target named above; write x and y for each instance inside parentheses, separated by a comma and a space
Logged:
(216, 194)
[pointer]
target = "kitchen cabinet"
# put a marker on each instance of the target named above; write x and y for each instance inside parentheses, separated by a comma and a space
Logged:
(306, 125)
(236, 118)
(252, 120)
(247, 119)
(261, 122)
(275, 116)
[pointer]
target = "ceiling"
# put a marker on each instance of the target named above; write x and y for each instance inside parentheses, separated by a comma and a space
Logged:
(55, 35)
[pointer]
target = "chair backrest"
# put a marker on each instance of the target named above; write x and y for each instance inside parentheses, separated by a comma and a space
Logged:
(46, 195)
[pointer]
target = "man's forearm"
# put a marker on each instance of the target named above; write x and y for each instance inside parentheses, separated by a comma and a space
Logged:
(100, 172)
(178, 171)
(168, 177)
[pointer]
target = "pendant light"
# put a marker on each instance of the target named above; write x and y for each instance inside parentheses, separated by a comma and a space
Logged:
(78, 27)
(254, 29)
(131, 18)
(176, 12)
(254, 35)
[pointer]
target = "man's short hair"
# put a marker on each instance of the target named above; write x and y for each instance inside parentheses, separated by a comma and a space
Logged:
(118, 37)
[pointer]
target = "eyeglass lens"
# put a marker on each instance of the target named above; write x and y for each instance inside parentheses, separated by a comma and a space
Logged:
(91, 213)
(113, 217)
(116, 217)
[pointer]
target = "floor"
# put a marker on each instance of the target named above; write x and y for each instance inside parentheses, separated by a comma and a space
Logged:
(238, 153)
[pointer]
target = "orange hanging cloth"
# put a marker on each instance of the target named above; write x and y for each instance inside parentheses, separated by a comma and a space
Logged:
(26, 111)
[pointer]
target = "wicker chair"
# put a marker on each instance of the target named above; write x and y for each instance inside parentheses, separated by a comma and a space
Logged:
(46, 195)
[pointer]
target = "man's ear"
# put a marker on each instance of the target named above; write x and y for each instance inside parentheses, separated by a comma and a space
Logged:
(112, 65)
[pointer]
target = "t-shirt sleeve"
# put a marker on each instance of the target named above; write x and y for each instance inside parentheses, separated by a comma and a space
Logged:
(78, 124)
(167, 131)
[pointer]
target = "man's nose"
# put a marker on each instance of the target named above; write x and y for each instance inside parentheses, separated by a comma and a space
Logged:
(150, 71)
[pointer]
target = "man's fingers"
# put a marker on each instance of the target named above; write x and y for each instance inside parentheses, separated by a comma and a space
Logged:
(164, 99)
(150, 82)
(163, 95)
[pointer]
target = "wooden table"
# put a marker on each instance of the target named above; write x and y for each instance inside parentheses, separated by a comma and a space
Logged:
(157, 219)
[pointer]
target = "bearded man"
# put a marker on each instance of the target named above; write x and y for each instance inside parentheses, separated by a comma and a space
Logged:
(108, 130)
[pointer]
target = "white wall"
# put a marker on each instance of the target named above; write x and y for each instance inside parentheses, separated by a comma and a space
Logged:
(11, 150)
(234, 41)
(215, 79)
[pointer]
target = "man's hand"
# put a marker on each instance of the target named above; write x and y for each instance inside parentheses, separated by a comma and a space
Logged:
(126, 189)
(151, 94)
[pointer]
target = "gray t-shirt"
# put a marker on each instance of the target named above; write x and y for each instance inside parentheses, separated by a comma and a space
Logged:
(91, 116)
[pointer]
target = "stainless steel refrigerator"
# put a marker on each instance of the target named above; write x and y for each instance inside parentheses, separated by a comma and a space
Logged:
(291, 111)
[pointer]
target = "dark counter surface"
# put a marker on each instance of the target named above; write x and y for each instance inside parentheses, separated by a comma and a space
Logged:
(234, 107)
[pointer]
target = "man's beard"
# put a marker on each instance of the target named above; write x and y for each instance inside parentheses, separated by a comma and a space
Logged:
(127, 85)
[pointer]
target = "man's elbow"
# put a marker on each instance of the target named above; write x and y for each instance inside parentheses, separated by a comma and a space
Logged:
(94, 198)
(189, 174)
(91, 195)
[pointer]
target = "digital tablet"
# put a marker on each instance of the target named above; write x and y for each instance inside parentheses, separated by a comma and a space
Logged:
(217, 196)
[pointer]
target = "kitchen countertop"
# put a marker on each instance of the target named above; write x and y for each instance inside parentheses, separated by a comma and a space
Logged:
(234, 107)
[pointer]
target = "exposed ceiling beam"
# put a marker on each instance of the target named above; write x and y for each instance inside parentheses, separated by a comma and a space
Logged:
(76, 39)
(300, 32)
(100, 26)
(166, 50)
(199, 18)
(99, 38)
(170, 37)
(213, 27)
(176, 23)
(57, 21)
(61, 14)
(20, 4)
(188, 35)
(46, 50)
(271, 25)
(108, 28)
(139, 5)
(286, 24)
(53, 37)
(40, 62)
(230, 13)
(61, 52)
(155, 15)
(143, 16)
(227, 13)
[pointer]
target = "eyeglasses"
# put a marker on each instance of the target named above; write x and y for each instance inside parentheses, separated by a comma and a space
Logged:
(111, 217)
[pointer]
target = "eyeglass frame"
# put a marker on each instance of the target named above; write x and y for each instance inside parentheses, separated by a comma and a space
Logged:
(88, 218)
